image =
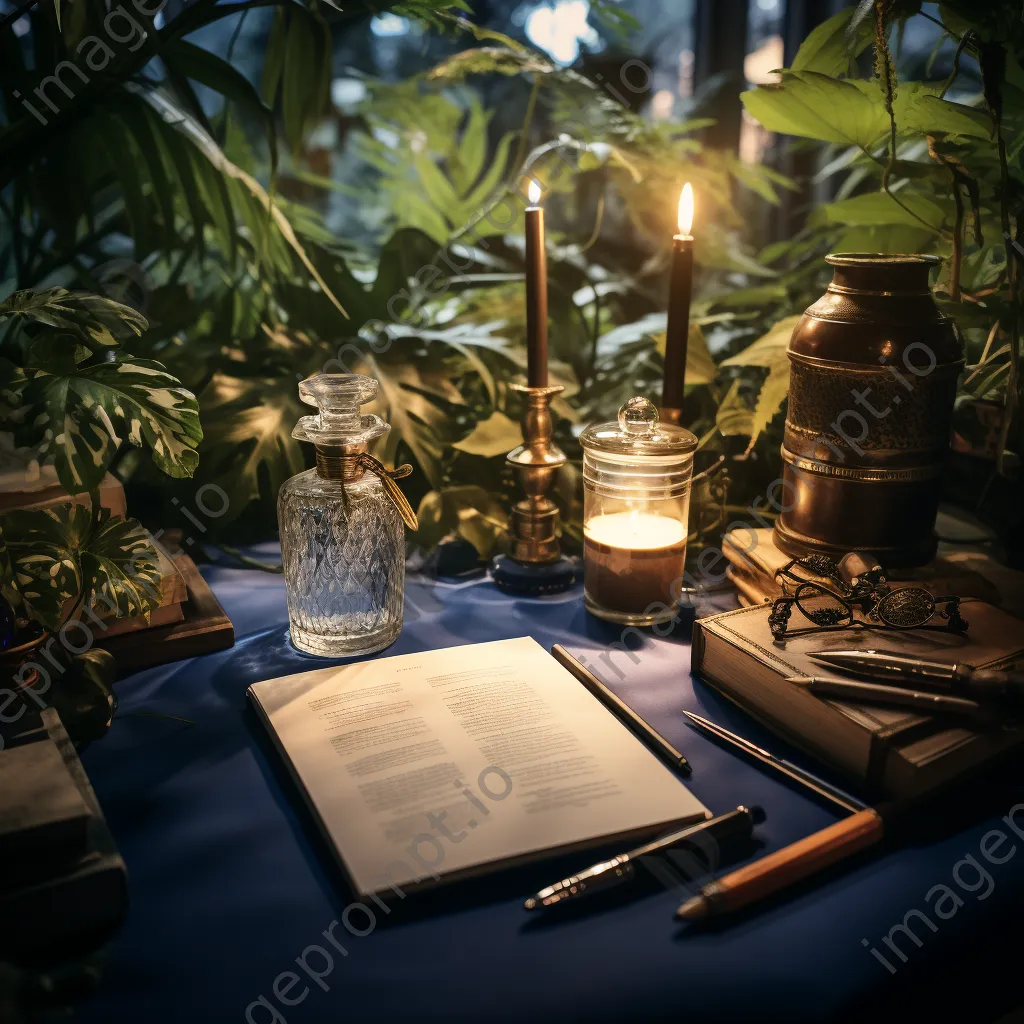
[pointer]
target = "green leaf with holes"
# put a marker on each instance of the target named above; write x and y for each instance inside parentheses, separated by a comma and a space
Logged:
(84, 415)
(93, 318)
(59, 555)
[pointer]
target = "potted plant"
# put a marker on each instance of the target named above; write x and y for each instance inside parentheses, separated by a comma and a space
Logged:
(74, 397)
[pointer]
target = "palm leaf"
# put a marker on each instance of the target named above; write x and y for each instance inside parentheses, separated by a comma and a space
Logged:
(208, 148)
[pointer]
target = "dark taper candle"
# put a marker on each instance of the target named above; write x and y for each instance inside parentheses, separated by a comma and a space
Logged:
(536, 293)
(680, 293)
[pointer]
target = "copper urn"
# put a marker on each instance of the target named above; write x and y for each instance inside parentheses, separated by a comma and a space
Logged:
(874, 369)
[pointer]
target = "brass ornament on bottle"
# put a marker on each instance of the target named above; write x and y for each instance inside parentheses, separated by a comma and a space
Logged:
(874, 368)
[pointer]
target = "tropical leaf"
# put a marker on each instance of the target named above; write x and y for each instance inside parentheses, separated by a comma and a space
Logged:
(415, 419)
(828, 50)
(493, 436)
(92, 317)
(490, 60)
(734, 416)
(249, 439)
(83, 415)
(817, 106)
(297, 69)
(203, 142)
(769, 351)
(58, 556)
(911, 210)
(121, 569)
(469, 510)
(931, 115)
(9, 589)
(700, 367)
(85, 698)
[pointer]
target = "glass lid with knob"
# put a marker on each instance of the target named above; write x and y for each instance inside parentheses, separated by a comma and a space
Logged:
(638, 433)
(338, 397)
(636, 496)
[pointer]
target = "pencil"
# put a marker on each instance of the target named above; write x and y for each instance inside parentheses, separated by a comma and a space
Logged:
(653, 739)
(787, 866)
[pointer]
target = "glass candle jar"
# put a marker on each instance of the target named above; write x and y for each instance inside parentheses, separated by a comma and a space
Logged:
(636, 501)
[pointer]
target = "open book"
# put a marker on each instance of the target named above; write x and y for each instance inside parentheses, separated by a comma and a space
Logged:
(427, 767)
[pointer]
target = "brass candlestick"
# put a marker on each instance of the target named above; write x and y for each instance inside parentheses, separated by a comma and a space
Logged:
(536, 564)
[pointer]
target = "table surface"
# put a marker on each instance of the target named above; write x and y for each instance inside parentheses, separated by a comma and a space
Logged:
(230, 883)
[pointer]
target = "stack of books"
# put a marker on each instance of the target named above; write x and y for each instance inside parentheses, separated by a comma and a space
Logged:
(63, 890)
(188, 619)
(889, 751)
(968, 572)
(42, 489)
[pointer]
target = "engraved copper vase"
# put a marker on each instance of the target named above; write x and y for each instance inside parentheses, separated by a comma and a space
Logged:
(874, 372)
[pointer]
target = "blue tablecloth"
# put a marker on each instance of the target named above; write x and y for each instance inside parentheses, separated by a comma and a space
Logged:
(230, 884)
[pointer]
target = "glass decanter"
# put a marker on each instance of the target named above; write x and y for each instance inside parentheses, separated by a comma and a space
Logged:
(342, 542)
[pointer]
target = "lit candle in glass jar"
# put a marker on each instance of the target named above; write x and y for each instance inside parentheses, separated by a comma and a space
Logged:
(631, 559)
(636, 477)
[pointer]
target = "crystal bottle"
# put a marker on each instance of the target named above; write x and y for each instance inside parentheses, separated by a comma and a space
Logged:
(342, 540)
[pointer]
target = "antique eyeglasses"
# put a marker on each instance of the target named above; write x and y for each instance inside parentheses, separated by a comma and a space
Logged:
(829, 599)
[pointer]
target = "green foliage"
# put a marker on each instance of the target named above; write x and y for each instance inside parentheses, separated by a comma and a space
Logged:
(98, 321)
(64, 557)
(770, 351)
(921, 173)
(297, 69)
(77, 409)
(250, 287)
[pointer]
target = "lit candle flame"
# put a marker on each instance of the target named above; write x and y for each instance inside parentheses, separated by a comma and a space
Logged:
(686, 210)
(534, 192)
(634, 520)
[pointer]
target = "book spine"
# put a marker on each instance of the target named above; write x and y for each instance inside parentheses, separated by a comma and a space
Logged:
(697, 647)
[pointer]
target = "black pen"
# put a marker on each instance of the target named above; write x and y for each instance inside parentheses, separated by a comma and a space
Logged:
(894, 696)
(736, 824)
(780, 764)
(622, 711)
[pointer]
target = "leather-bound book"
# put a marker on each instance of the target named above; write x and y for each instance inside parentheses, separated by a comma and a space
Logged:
(68, 897)
(889, 751)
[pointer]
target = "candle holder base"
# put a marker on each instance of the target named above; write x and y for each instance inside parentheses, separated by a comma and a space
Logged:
(535, 564)
(670, 614)
(533, 580)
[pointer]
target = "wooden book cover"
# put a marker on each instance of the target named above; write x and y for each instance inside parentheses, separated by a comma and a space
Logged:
(891, 751)
(204, 628)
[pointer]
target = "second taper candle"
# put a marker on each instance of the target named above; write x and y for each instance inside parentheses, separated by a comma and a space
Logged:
(677, 334)
(536, 292)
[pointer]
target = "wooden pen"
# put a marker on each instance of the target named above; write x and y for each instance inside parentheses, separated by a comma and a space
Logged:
(622, 711)
(791, 864)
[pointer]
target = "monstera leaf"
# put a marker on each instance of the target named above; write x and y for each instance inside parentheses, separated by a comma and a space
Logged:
(86, 412)
(249, 437)
(59, 555)
(93, 318)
